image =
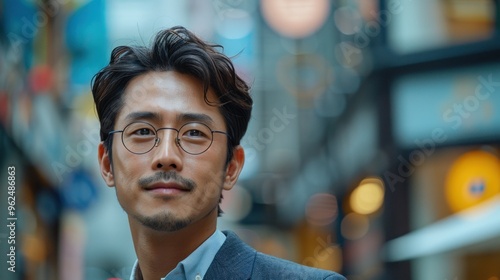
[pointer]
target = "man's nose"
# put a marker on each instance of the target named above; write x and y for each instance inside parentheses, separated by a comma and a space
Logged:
(167, 150)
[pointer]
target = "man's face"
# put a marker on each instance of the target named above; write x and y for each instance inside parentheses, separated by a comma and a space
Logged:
(168, 189)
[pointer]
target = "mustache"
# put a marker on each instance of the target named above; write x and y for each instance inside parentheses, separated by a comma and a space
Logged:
(167, 176)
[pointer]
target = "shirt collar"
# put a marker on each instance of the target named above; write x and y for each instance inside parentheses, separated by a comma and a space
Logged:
(196, 264)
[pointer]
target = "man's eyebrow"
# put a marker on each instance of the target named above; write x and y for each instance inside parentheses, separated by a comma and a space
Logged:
(143, 115)
(195, 117)
(181, 118)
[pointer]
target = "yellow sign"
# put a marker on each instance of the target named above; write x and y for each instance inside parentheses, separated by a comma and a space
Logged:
(473, 178)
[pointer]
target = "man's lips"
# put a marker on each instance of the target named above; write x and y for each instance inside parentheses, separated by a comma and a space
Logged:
(166, 188)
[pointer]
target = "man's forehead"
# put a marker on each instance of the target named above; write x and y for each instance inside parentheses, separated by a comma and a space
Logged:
(139, 87)
(162, 79)
(152, 95)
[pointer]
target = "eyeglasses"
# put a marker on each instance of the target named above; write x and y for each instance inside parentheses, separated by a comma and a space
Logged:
(141, 137)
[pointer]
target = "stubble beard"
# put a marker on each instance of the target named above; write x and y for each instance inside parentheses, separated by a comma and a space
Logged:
(166, 222)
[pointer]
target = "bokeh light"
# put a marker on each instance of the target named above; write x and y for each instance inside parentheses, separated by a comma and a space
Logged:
(347, 20)
(354, 226)
(368, 197)
(295, 19)
(321, 209)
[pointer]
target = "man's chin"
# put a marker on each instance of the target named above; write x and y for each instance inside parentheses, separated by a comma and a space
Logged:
(164, 222)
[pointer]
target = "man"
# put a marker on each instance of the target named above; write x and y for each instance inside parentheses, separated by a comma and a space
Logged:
(171, 118)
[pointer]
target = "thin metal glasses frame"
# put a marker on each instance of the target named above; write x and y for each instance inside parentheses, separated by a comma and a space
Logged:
(177, 139)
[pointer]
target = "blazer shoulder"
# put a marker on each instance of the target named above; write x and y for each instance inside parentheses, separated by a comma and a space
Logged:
(270, 267)
(238, 261)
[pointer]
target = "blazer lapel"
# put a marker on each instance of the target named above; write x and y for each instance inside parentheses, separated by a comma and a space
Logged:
(234, 260)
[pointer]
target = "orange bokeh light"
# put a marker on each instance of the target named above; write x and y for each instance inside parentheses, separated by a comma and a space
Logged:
(297, 18)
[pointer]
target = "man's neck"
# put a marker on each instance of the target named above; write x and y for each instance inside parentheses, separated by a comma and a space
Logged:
(160, 252)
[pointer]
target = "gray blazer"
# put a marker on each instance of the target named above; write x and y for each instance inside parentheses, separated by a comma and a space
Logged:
(236, 261)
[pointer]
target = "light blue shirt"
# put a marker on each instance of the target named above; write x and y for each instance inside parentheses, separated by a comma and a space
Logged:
(195, 265)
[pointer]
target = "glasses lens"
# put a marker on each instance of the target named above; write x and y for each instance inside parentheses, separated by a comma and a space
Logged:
(195, 138)
(139, 137)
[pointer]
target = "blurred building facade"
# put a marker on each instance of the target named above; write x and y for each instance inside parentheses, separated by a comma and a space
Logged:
(373, 148)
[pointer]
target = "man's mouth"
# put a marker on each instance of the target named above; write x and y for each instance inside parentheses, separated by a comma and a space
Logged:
(166, 184)
(167, 188)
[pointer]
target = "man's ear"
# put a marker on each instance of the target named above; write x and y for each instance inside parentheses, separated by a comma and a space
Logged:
(105, 165)
(234, 167)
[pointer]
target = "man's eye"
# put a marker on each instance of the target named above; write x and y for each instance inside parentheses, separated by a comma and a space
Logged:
(194, 133)
(144, 131)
